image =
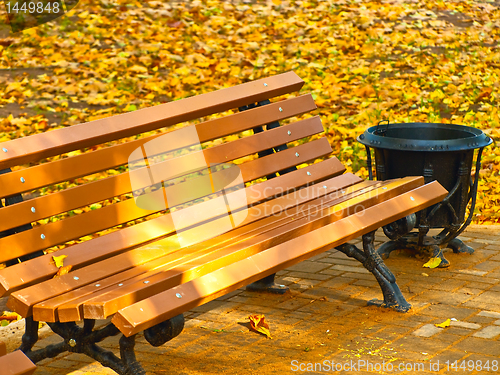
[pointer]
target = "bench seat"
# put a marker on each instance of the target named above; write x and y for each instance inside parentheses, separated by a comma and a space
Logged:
(143, 249)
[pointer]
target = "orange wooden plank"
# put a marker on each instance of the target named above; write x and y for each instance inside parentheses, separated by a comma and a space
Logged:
(27, 273)
(39, 146)
(68, 199)
(165, 305)
(16, 363)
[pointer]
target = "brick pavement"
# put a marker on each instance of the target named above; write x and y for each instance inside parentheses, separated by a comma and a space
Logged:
(324, 316)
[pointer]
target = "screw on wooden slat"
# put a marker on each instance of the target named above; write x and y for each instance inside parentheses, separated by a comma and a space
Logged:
(120, 284)
(324, 186)
(281, 109)
(308, 173)
(4, 149)
(265, 84)
(289, 132)
(97, 284)
(76, 278)
(412, 198)
(297, 154)
(178, 295)
(42, 236)
(33, 209)
(22, 180)
(146, 282)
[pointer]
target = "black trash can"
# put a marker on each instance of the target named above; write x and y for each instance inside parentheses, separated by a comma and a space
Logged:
(442, 152)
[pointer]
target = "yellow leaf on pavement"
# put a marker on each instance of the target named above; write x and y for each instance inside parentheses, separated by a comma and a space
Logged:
(432, 263)
(258, 324)
(445, 324)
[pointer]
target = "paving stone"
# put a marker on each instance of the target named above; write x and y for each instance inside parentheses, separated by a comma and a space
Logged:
(439, 296)
(448, 355)
(419, 344)
(308, 275)
(347, 261)
(481, 360)
(331, 272)
(473, 272)
(64, 363)
(495, 288)
(357, 275)
(474, 278)
(446, 311)
(487, 241)
(308, 266)
(489, 297)
(368, 283)
(475, 304)
(337, 282)
(450, 284)
(342, 267)
(446, 336)
(294, 304)
(427, 330)
(470, 291)
(489, 265)
(465, 325)
(488, 332)
(478, 345)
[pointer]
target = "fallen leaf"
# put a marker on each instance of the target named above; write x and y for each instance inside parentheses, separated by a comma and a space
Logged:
(445, 324)
(10, 316)
(432, 263)
(258, 324)
(59, 261)
(63, 271)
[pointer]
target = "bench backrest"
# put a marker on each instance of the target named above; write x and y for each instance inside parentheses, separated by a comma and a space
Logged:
(75, 198)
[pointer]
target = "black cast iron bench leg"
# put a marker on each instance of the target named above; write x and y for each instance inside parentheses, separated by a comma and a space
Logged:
(372, 261)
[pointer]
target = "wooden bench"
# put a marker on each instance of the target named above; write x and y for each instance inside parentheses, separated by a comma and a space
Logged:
(152, 266)
(15, 363)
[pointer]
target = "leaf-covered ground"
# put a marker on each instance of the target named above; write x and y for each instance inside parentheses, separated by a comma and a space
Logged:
(364, 61)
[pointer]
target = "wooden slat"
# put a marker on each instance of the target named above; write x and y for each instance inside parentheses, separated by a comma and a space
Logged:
(113, 156)
(39, 146)
(27, 273)
(165, 305)
(23, 301)
(16, 363)
(58, 232)
(3, 348)
(68, 199)
(73, 301)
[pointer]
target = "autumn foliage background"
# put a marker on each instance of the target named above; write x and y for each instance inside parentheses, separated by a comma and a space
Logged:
(364, 61)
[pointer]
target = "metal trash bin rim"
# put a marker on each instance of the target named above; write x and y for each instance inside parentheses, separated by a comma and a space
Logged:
(444, 137)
